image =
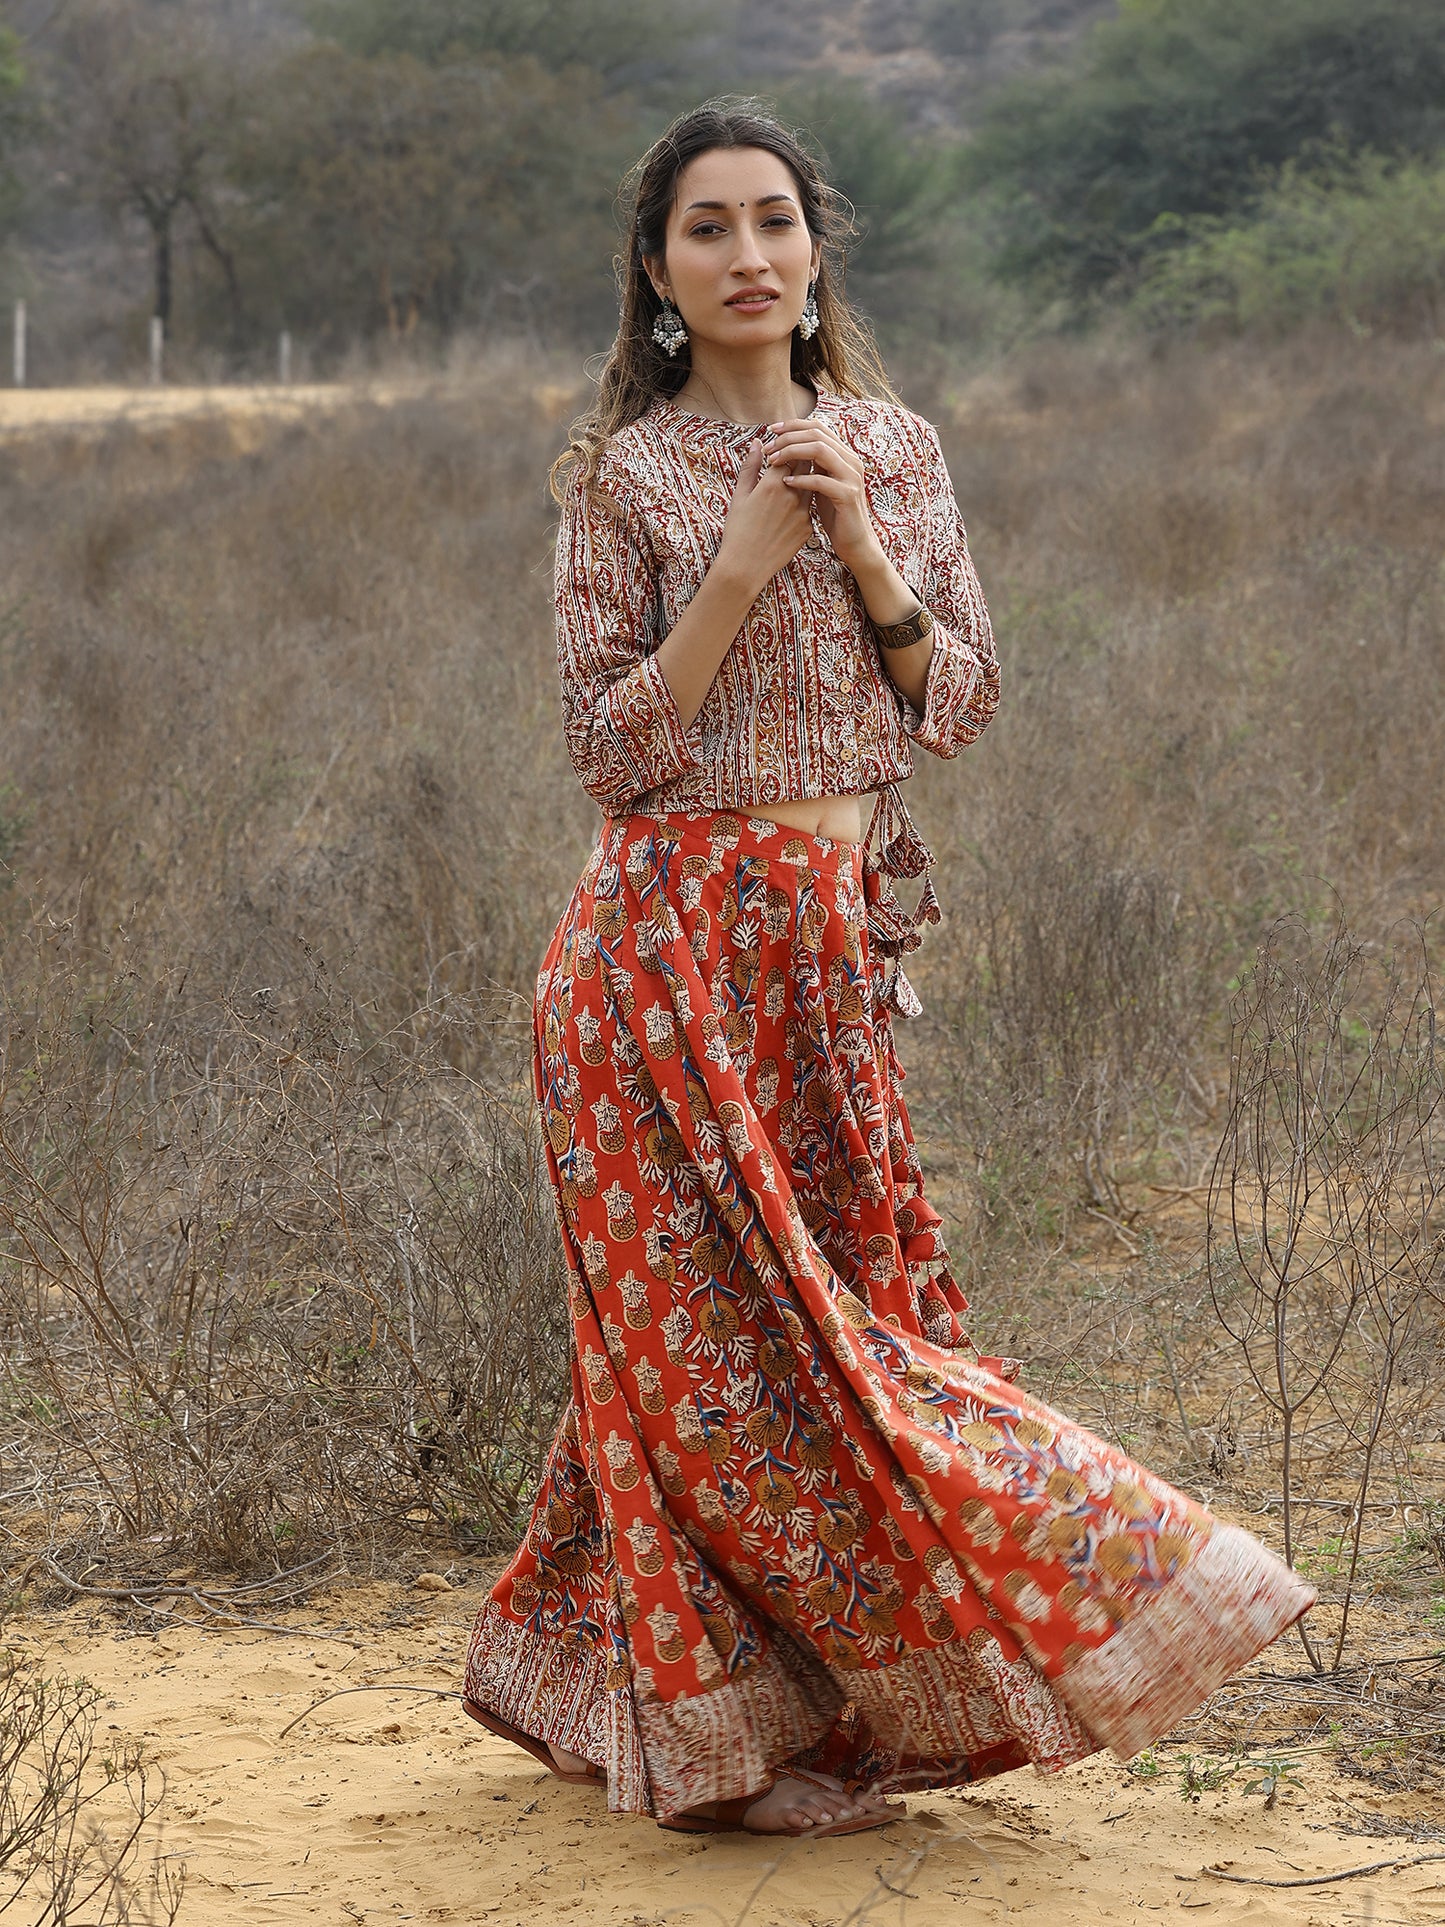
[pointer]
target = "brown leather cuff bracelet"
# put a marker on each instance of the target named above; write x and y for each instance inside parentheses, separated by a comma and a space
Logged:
(903, 635)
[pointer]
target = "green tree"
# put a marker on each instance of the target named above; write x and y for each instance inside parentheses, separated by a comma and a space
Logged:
(612, 37)
(385, 195)
(1186, 107)
(144, 118)
(966, 27)
(897, 183)
(13, 123)
(1360, 241)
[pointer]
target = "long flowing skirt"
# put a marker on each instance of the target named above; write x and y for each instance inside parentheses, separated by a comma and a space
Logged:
(789, 1514)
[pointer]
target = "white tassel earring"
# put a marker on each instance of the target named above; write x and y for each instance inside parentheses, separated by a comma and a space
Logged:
(669, 331)
(808, 319)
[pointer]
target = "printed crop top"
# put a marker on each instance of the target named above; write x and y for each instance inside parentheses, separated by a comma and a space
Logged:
(801, 705)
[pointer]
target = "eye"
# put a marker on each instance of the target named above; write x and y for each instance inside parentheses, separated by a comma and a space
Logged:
(705, 228)
(779, 220)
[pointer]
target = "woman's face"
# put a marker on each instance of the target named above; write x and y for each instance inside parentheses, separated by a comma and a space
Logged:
(738, 256)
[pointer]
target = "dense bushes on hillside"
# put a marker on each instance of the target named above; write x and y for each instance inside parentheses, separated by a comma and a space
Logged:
(367, 169)
(10, 120)
(403, 172)
(611, 37)
(1362, 243)
(1186, 107)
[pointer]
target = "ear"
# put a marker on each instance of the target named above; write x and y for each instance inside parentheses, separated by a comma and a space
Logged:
(817, 261)
(657, 274)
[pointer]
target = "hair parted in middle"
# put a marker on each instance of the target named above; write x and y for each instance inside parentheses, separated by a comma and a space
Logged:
(841, 356)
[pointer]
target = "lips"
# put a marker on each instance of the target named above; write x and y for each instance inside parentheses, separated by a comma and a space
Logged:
(755, 299)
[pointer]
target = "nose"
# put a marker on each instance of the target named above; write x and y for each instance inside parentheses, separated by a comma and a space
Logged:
(749, 261)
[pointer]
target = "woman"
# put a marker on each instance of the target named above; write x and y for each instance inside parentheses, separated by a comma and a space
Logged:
(795, 1540)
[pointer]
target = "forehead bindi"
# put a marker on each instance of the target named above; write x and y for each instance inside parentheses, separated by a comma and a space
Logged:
(735, 177)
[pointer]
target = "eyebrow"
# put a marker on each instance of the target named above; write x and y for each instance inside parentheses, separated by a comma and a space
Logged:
(763, 200)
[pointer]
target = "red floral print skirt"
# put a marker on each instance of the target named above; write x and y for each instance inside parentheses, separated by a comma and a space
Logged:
(789, 1514)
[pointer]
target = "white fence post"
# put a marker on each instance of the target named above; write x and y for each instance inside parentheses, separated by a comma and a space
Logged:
(20, 344)
(283, 357)
(158, 345)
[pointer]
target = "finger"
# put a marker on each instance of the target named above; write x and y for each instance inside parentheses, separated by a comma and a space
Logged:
(752, 464)
(773, 482)
(810, 423)
(821, 454)
(811, 431)
(833, 486)
(808, 432)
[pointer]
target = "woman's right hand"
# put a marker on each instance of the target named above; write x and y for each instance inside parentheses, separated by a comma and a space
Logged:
(766, 525)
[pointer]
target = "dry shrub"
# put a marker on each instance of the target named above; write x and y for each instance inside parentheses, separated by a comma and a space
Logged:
(311, 685)
(1326, 1245)
(1071, 1023)
(1217, 582)
(287, 820)
(74, 1816)
(277, 1275)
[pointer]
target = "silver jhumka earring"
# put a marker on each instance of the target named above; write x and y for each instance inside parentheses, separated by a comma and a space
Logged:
(808, 319)
(668, 330)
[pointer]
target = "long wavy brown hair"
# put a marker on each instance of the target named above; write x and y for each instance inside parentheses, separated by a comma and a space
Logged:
(842, 354)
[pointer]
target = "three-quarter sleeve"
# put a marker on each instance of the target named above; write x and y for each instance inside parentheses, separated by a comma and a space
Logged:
(623, 730)
(963, 681)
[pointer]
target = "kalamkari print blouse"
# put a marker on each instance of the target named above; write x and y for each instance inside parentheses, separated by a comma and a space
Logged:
(801, 706)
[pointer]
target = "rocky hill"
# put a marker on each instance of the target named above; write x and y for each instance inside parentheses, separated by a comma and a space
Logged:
(936, 58)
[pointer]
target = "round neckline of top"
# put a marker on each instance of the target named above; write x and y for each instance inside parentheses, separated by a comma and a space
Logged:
(689, 417)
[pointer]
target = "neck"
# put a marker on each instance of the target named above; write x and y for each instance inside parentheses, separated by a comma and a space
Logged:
(747, 389)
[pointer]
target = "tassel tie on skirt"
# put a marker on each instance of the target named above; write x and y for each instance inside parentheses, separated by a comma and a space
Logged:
(893, 848)
(789, 1516)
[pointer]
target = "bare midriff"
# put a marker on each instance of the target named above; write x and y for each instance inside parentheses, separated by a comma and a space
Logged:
(840, 818)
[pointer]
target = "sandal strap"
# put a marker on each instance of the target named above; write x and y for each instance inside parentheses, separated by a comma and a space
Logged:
(823, 1786)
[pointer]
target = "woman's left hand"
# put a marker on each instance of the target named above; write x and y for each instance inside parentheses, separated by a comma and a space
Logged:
(818, 461)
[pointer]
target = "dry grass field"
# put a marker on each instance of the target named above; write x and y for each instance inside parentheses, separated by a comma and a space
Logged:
(285, 821)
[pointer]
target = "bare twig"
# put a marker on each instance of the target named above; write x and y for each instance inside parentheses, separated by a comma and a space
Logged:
(432, 1692)
(1324, 1879)
(227, 1618)
(1328, 1177)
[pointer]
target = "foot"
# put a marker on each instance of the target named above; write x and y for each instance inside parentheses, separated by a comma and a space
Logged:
(568, 1762)
(797, 1806)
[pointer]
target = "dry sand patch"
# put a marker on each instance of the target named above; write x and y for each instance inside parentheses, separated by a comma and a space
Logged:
(248, 410)
(390, 1806)
(39, 410)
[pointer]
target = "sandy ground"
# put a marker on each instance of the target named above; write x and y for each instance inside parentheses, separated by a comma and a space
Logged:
(25, 410)
(388, 1806)
(29, 412)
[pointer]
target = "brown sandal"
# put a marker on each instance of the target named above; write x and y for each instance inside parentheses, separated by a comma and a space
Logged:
(539, 1750)
(728, 1817)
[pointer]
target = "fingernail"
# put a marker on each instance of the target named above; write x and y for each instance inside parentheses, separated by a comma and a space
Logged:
(774, 427)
